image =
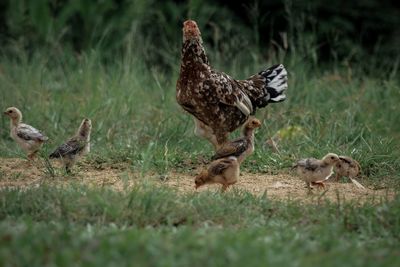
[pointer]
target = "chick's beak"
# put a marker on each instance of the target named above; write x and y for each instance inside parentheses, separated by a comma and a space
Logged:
(5, 113)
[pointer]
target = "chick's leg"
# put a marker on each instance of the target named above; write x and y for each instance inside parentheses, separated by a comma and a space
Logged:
(308, 185)
(31, 159)
(224, 187)
(32, 156)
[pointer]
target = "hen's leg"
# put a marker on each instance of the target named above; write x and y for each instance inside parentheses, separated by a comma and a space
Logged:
(206, 132)
(221, 138)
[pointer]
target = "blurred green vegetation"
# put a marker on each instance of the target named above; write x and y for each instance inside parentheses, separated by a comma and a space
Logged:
(339, 30)
(156, 226)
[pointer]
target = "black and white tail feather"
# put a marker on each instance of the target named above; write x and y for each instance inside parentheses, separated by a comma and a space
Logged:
(276, 85)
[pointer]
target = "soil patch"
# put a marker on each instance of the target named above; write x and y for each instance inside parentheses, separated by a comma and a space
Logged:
(16, 173)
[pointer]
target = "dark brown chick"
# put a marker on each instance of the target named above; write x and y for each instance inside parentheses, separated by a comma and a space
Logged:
(348, 167)
(75, 147)
(241, 147)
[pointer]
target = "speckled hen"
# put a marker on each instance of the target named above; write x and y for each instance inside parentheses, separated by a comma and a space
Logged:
(219, 103)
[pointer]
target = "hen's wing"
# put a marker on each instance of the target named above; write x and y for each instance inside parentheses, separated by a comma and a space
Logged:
(310, 164)
(219, 166)
(228, 91)
(234, 148)
(27, 132)
(72, 147)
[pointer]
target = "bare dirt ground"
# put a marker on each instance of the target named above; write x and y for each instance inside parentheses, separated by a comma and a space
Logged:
(16, 173)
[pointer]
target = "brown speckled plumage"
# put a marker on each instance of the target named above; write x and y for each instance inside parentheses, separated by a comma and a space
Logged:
(75, 147)
(217, 100)
(240, 147)
(348, 167)
(224, 171)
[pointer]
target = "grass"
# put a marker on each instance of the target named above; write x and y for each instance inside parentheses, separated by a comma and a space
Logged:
(137, 120)
(156, 227)
(341, 107)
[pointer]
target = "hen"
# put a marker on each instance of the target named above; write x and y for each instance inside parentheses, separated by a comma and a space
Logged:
(219, 103)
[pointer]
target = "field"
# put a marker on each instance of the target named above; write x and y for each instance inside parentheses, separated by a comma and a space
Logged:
(132, 200)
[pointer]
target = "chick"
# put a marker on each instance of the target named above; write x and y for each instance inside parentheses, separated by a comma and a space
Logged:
(346, 166)
(315, 171)
(240, 147)
(76, 147)
(224, 171)
(27, 137)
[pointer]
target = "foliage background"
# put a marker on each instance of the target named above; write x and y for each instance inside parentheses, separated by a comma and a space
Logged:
(340, 30)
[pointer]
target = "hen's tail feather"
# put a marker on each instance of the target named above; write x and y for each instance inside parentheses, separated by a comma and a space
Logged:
(276, 85)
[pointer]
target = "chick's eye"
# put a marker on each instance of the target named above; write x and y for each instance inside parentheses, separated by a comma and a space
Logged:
(332, 157)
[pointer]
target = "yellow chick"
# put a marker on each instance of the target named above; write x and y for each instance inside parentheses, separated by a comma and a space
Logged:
(27, 137)
(224, 171)
(315, 171)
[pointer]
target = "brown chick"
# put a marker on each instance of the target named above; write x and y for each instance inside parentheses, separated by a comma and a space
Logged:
(223, 171)
(75, 147)
(348, 167)
(241, 147)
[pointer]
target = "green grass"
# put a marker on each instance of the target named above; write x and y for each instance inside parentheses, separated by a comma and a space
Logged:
(137, 120)
(151, 226)
(341, 107)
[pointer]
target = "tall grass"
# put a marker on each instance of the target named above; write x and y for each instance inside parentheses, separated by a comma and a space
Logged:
(131, 97)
